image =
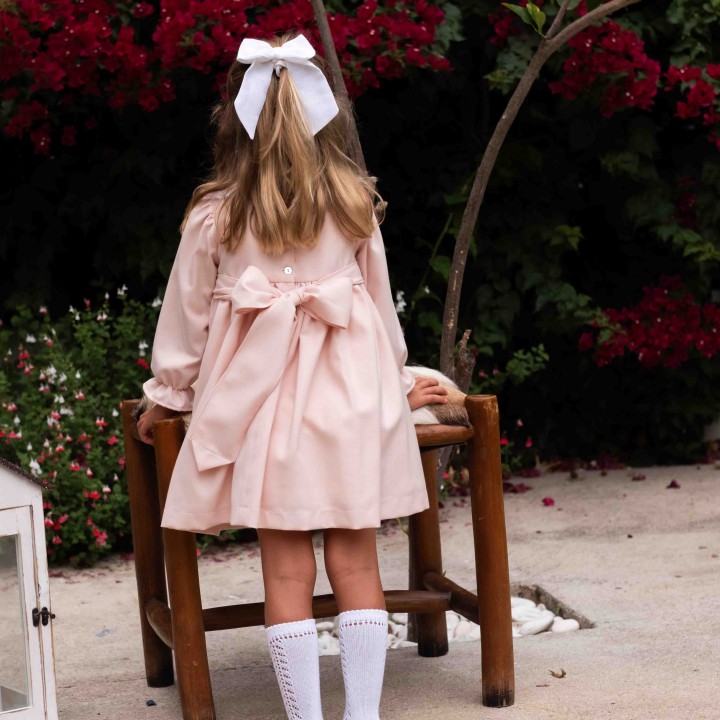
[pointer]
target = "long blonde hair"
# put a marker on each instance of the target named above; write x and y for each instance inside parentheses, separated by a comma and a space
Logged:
(285, 180)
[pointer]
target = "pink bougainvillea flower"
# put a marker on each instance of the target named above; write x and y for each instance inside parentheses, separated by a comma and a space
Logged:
(56, 539)
(548, 501)
(112, 440)
(503, 441)
(528, 443)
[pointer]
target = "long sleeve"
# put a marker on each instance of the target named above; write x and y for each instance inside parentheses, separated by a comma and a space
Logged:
(182, 328)
(373, 264)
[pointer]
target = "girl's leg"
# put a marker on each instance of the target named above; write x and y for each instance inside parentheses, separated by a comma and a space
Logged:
(289, 573)
(352, 567)
(351, 562)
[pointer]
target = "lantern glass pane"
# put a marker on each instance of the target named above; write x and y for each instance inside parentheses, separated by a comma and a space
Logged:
(14, 659)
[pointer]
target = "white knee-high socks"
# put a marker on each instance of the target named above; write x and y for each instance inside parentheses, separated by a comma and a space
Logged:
(363, 648)
(295, 654)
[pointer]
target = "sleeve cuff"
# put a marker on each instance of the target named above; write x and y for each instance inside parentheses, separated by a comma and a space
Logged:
(180, 399)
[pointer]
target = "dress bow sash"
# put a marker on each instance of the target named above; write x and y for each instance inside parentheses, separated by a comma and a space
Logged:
(216, 433)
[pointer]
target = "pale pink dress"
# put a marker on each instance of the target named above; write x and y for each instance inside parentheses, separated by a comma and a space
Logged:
(300, 412)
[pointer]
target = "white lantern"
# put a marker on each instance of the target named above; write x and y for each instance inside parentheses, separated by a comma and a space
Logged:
(27, 662)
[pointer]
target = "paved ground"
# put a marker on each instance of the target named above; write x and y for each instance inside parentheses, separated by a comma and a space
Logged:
(639, 560)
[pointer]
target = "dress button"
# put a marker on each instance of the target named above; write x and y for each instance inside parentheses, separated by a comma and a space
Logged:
(287, 270)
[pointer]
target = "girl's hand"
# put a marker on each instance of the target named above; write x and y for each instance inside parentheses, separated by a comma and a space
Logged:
(146, 420)
(426, 390)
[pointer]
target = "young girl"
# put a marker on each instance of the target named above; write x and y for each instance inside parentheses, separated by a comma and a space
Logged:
(278, 309)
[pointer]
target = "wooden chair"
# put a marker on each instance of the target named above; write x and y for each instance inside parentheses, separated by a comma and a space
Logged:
(181, 624)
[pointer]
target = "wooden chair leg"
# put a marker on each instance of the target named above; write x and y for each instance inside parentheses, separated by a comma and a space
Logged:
(491, 561)
(147, 547)
(191, 660)
(429, 630)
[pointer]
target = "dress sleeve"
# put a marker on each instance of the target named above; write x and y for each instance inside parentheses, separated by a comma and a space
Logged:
(182, 329)
(373, 264)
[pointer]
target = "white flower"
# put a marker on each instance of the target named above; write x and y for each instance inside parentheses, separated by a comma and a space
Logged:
(71, 309)
(77, 316)
(122, 290)
(400, 305)
(426, 289)
(141, 347)
(35, 467)
(67, 411)
(59, 399)
(62, 378)
(77, 374)
(30, 339)
(115, 413)
(107, 296)
(16, 420)
(157, 301)
(29, 446)
(101, 316)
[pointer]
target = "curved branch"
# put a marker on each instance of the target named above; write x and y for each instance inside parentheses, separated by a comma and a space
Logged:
(546, 48)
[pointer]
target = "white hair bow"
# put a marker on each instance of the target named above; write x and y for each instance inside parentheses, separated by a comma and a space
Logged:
(315, 95)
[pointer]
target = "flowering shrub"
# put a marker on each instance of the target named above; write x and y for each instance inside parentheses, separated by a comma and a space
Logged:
(60, 388)
(62, 63)
(612, 62)
(701, 89)
(664, 328)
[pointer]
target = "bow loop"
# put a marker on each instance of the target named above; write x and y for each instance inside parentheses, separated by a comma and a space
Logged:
(256, 367)
(316, 97)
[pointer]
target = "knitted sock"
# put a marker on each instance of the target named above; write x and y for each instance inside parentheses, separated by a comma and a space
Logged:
(295, 656)
(363, 647)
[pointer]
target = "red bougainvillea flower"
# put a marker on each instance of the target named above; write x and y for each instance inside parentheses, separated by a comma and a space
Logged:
(120, 54)
(700, 90)
(664, 328)
(609, 60)
(548, 501)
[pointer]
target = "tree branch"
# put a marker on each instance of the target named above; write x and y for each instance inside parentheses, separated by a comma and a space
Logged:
(353, 139)
(558, 19)
(545, 49)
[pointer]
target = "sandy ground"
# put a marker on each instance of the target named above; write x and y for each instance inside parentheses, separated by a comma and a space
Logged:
(639, 560)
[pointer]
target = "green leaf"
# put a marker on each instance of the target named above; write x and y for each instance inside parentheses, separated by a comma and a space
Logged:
(521, 12)
(441, 264)
(537, 15)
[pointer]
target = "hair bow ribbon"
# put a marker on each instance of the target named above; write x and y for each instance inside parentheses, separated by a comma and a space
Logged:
(316, 97)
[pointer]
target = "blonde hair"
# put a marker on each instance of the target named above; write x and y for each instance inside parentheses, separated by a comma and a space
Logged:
(285, 180)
